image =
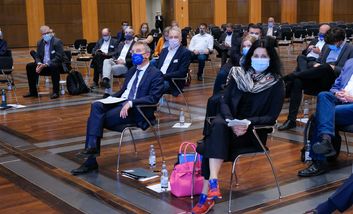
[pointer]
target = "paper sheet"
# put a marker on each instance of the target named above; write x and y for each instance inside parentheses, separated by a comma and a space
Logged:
(178, 126)
(157, 187)
(111, 100)
(235, 122)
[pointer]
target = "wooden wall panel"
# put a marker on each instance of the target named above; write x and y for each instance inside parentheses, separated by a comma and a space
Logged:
(343, 10)
(238, 11)
(14, 22)
(220, 12)
(255, 11)
(289, 11)
(65, 18)
(112, 12)
(181, 12)
(308, 10)
(270, 8)
(326, 11)
(200, 11)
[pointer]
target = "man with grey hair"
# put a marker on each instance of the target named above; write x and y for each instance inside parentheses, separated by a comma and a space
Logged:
(143, 86)
(119, 63)
(3, 44)
(105, 48)
(50, 60)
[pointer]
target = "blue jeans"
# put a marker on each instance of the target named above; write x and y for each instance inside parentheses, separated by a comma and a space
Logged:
(201, 58)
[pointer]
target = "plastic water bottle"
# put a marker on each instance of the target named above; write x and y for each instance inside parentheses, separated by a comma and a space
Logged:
(46, 81)
(307, 152)
(306, 109)
(3, 98)
(62, 90)
(161, 101)
(164, 177)
(182, 117)
(9, 87)
(152, 157)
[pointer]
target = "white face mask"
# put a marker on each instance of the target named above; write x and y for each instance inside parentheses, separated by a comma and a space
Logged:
(260, 64)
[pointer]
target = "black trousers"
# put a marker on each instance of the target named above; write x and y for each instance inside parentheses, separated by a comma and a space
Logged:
(97, 64)
(212, 110)
(32, 76)
(304, 63)
(312, 81)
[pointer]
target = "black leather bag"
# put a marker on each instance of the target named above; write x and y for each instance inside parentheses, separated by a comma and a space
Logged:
(75, 83)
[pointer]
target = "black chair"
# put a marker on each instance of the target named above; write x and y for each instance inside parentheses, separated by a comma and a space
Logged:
(80, 43)
(90, 47)
(6, 69)
(131, 127)
(216, 32)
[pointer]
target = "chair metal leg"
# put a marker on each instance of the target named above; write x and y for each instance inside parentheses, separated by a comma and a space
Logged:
(182, 95)
(133, 140)
(345, 137)
(156, 135)
(121, 140)
(231, 186)
(271, 163)
(167, 102)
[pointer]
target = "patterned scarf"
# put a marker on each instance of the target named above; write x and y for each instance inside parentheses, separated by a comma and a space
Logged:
(251, 81)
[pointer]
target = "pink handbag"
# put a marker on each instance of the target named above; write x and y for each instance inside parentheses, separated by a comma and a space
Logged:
(181, 177)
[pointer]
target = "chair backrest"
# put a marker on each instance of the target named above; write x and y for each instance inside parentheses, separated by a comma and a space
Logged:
(8, 53)
(6, 62)
(90, 47)
(80, 43)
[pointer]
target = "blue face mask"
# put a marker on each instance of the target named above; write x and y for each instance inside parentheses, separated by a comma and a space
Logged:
(260, 64)
(106, 38)
(229, 33)
(245, 50)
(333, 47)
(47, 37)
(321, 36)
(129, 37)
(137, 59)
(270, 24)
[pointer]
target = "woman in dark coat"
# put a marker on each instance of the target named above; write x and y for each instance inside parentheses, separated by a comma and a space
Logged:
(254, 94)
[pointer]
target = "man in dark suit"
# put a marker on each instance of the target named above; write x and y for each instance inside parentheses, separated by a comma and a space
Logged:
(271, 29)
(321, 76)
(143, 85)
(120, 63)
(50, 59)
(159, 21)
(174, 62)
(105, 48)
(121, 34)
(226, 41)
(309, 56)
(3, 45)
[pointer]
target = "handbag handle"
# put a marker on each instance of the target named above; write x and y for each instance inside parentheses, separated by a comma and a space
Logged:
(187, 144)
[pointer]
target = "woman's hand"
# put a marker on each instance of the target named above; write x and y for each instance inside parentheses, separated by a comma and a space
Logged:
(239, 130)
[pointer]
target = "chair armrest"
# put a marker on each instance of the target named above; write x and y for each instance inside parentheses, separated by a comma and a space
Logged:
(139, 109)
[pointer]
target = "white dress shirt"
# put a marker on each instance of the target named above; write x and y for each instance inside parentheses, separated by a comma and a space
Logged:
(105, 46)
(228, 40)
(319, 45)
(201, 42)
(168, 59)
(349, 86)
(270, 31)
(129, 85)
(125, 50)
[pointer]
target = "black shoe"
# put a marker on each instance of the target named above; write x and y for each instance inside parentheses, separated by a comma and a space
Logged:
(90, 152)
(84, 169)
(54, 96)
(324, 147)
(105, 95)
(94, 85)
(289, 124)
(199, 78)
(105, 83)
(316, 168)
(30, 95)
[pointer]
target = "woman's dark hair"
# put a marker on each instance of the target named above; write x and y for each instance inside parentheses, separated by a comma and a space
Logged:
(334, 35)
(269, 44)
(147, 32)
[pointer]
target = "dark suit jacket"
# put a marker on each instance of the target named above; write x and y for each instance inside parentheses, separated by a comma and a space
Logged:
(178, 67)
(149, 91)
(346, 53)
(235, 36)
(128, 61)
(56, 50)
(312, 42)
(3, 47)
(113, 46)
(276, 31)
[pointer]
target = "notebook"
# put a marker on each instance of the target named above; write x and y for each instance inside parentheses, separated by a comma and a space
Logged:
(140, 174)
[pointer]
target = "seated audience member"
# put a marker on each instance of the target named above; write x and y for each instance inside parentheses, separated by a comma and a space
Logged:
(271, 29)
(3, 44)
(201, 45)
(309, 56)
(227, 40)
(50, 59)
(255, 92)
(145, 35)
(340, 200)
(321, 76)
(255, 31)
(105, 48)
(143, 85)
(174, 23)
(234, 60)
(121, 34)
(174, 62)
(120, 63)
(162, 42)
(333, 108)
